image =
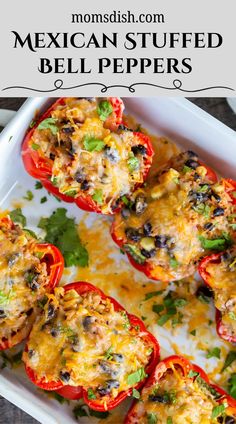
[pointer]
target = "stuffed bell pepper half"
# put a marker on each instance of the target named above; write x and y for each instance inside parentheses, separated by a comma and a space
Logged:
(179, 392)
(29, 272)
(85, 344)
(82, 153)
(179, 216)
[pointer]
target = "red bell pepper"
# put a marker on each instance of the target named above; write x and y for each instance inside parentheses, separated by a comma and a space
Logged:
(190, 372)
(209, 281)
(40, 167)
(55, 265)
(72, 392)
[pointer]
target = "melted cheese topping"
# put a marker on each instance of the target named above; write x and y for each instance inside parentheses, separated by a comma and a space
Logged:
(176, 400)
(106, 170)
(222, 280)
(170, 216)
(22, 281)
(94, 346)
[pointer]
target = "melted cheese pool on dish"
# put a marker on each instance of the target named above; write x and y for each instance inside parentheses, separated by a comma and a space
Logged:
(222, 277)
(88, 158)
(178, 400)
(174, 219)
(22, 281)
(83, 341)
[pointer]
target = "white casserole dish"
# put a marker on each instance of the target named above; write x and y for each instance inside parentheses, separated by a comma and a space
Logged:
(178, 119)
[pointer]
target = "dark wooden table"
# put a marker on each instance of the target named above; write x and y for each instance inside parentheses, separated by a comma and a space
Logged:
(10, 414)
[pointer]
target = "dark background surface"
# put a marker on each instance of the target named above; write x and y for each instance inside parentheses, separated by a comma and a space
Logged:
(216, 106)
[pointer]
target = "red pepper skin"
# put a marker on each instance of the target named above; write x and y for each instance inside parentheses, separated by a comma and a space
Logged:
(71, 392)
(185, 366)
(202, 269)
(55, 265)
(41, 168)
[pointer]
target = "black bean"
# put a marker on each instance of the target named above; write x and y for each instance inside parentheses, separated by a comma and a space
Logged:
(111, 154)
(64, 376)
(34, 285)
(109, 385)
(196, 176)
(158, 398)
(148, 253)
(191, 154)
(108, 368)
(79, 176)
(193, 164)
(197, 196)
(67, 130)
(115, 204)
(208, 226)
(2, 314)
(161, 242)
(139, 149)
(84, 185)
(204, 291)
(117, 357)
(220, 419)
(12, 259)
(133, 234)
(218, 212)
(29, 312)
(52, 156)
(54, 332)
(125, 213)
(216, 196)
(140, 205)
(51, 311)
(229, 420)
(147, 229)
(225, 256)
(31, 353)
(122, 127)
(87, 321)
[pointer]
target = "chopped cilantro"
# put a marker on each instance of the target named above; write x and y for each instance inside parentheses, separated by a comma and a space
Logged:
(214, 353)
(30, 232)
(230, 358)
(135, 394)
(98, 196)
(35, 146)
(232, 315)
(62, 232)
(104, 109)
(232, 385)
(152, 294)
(59, 398)
(202, 209)
(216, 244)
(108, 354)
(233, 193)
(193, 332)
(85, 411)
(32, 124)
(43, 199)
(134, 251)
(29, 195)
(136, 377)
(152, 418)
(71, 193)
(17, 216)
(133, 163)
(186, 169)
(38, 185)
(218, 410)
(174, 263)
(192, 374)
(92, 144)
(158, 308)
(49, 124)
(169, 420)
(91, 394)
(169, 307)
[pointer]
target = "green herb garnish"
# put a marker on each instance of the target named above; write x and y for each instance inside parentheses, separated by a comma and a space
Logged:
(91, 394)
(136, 377)
(38, 185)
(152, 294)
(218, 410)
(135, 394)
(232, 385)
(152, 418)
(43, 199)
(17, 216)
(35, 146)
(134, 251)
(92, 144)
(216, 244)
(133, 163)
(62, 232)
(230, 358)
(49, 124)
(104, 109)
(98, 196)
(214, 353)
